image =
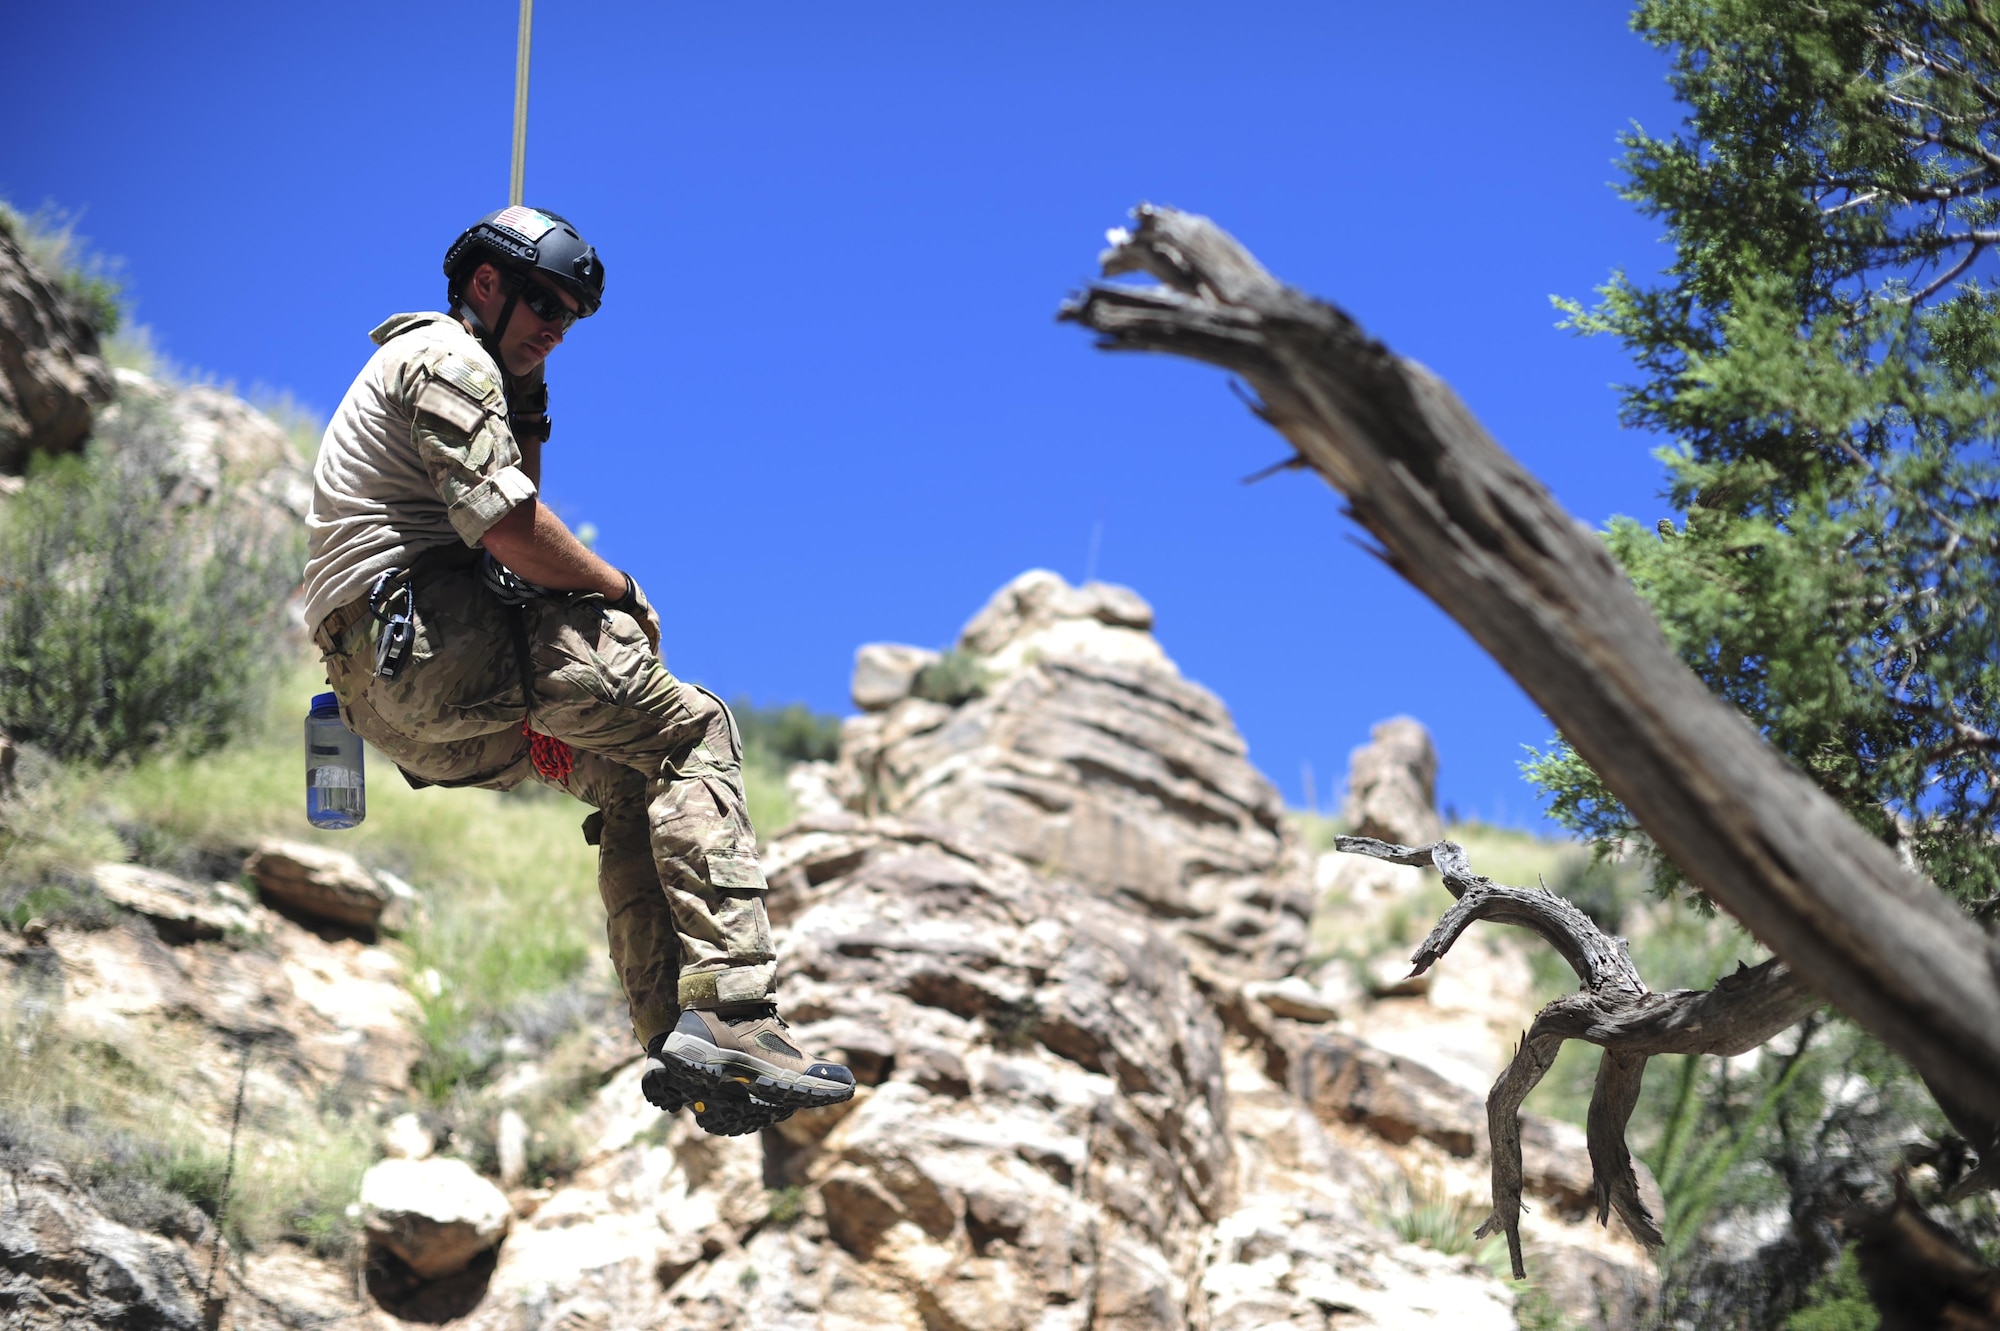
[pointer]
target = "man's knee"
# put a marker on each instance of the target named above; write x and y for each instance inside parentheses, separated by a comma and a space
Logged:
(607, 785)
(714, 727)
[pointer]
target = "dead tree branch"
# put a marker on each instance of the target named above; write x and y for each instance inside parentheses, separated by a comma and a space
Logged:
(1614, 1009)
(1466, 524)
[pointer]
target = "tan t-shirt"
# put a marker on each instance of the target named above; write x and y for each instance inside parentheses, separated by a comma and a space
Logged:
(418, 455)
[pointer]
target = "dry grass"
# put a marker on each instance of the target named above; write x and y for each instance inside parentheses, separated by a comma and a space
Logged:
(149, 1137)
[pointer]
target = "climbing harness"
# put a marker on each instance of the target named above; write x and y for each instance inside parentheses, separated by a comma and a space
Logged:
(553, 759)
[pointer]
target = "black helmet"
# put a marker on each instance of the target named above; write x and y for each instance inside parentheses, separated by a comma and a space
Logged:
(529, 240)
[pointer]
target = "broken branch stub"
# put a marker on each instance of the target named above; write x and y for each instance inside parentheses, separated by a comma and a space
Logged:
(1614, 1009)
(1482, 538)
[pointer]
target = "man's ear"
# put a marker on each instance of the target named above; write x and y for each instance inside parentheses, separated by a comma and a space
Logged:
(482, 285)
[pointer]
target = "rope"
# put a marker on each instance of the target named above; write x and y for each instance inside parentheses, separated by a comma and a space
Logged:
(518, 178)
(554, 759)
(228, 1177)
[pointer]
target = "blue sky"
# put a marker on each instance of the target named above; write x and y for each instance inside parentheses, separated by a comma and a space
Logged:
(826, 401)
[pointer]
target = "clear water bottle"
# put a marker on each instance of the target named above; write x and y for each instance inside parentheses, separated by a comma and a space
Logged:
(336, 795)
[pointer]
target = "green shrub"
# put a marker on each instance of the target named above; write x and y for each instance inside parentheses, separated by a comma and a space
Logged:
(953, 678)
(1839, 1302)
(1014, 1021)
(773, 739)
(128, 620)
(1601, 888)
(1534, 1310)
(1317, 830)
(61, 898)
(787, 1205)
(777, 737)
(1422, 1210)
(88, 279)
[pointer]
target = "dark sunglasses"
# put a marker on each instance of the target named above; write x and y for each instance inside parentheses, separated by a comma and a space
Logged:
(547, 306)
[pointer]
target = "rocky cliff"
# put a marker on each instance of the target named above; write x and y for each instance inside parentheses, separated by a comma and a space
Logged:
(1058, 924)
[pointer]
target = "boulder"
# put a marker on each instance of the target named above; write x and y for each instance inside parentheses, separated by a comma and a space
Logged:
(1392, 785)
(435, 1214)
(811, 786)
(1344, 1080)
(1045, 1122)
(316, 882)
(51, 376)
(885, 673)
(326, 1016)
(405, 1137)
(182, 911)
(1296, 998)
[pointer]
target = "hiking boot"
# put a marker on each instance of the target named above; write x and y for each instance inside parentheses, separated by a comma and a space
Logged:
(729, 1112)
(749, 1049)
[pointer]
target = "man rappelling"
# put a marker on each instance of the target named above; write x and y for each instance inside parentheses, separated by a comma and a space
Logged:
(475, 641)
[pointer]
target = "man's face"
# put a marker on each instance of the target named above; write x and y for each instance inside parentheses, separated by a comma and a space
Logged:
(528, 338)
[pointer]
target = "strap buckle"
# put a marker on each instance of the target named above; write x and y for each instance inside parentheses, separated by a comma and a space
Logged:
(394, 607)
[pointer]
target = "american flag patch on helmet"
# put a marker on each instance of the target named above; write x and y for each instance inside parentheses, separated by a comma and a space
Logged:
(525, 222)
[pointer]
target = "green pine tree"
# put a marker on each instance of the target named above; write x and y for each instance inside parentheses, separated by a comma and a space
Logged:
(1821, 356)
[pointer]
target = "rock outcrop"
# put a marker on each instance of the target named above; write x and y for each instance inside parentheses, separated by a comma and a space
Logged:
(212, 972)
(63, 1265)
(214, 444)
(1392, 785)
(1082, 753)
(51, 376)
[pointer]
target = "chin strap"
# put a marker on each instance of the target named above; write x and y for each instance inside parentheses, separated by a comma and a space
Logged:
(527, 403)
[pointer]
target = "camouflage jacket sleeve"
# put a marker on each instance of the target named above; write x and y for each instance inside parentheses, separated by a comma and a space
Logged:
(458, 424)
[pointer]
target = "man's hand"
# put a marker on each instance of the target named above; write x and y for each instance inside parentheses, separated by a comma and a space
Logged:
(635, 604)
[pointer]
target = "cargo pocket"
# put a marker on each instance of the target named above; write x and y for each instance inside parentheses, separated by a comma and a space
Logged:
(733, 871)
(740, 917)
(463, 678)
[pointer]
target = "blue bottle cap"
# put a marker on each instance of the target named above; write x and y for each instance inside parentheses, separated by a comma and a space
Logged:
(322, 701)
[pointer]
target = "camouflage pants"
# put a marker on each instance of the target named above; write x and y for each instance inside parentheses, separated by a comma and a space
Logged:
(659, 758)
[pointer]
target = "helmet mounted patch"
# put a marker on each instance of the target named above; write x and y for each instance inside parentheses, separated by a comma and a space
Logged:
(526, 223)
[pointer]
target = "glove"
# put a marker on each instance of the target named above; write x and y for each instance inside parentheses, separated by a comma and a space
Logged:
(635, 604)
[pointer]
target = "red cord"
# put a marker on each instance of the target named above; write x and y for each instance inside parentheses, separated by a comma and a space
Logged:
(553, 759)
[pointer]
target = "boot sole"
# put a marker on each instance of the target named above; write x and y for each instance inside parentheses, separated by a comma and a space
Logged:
(730, 1112)
(658, 1086)
(736, 1118)
(703, 1065)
